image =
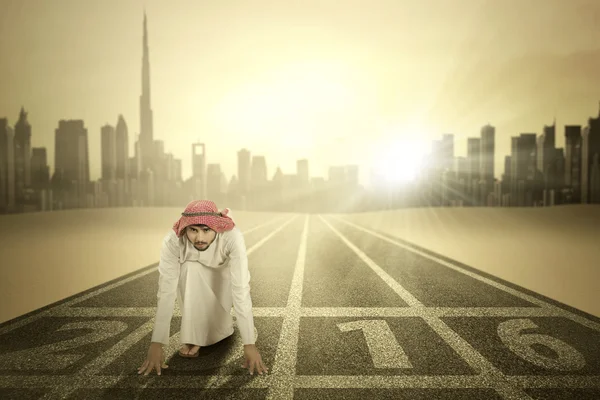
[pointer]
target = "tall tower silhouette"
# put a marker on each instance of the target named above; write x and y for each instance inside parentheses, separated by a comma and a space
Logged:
(146, 126)
(22, 151)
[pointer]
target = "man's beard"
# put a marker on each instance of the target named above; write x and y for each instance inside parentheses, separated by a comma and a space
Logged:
(202, 249)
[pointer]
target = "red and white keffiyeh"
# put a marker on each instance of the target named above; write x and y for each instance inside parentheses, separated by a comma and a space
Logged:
(204, 212)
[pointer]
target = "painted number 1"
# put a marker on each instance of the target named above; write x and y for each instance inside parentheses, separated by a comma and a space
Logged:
(386, 352)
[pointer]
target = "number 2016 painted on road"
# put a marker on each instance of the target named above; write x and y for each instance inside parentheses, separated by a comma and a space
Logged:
(383, 346)
(386, 352)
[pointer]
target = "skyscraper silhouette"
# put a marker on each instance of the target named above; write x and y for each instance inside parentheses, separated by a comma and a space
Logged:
(473, 169)
(302, 171)
(7, 167)
(572, 177)
(590, 161)
(40, 171)
(146, 137)
(22, 156)
(71, 161)
(487, 160)
(546, 151)
(108, 152)
(199, 170)
(122, 140)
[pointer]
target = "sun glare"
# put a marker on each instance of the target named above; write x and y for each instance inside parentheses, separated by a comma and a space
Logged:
(400, 160)
(289, 98)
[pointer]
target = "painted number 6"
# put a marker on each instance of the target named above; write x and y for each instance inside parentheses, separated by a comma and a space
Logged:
(569, 359)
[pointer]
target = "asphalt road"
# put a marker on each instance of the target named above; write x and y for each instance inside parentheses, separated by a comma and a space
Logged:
(341, 312)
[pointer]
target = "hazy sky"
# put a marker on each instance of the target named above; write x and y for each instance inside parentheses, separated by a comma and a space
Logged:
(295, 79)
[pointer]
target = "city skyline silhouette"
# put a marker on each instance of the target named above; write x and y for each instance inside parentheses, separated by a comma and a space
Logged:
(536, 171)
(325, 76)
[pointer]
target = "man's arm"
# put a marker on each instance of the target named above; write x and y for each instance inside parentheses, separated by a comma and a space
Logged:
(240, 286)
(168, 268)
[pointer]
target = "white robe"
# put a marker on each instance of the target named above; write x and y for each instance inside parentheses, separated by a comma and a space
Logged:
(208, 283)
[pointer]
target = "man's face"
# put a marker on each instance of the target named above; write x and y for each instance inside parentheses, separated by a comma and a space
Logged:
(201, 236)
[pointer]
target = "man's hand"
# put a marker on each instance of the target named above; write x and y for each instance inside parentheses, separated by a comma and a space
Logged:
(154, 360)
(253, 360)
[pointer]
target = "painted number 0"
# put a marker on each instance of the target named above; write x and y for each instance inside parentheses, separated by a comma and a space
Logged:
(510, 332)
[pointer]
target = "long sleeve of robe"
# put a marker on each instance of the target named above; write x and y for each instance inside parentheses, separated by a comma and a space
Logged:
(240, 286)
(209, 283)
(168, 270)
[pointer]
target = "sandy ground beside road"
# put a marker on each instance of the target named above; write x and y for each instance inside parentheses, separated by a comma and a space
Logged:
(46, 257)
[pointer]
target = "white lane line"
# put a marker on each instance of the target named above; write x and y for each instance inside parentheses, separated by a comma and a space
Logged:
(391, 282)
(149, 312)
(557, 381)
(307, 381)
(284, 366)
(559, 311)
(61, 307)
(391, 381)
(330, 312)
(477, 361)
(426, 312)
(270, 222)
(269, 236)
(88, 372)
(439, 381)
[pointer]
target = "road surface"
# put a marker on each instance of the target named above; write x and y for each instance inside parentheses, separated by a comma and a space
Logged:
(341, 312)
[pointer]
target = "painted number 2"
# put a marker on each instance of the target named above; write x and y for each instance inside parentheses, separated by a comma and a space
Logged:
(44, 357)
(386, 352)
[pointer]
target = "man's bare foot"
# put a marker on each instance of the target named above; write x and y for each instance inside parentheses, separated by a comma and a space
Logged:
(189, 350)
